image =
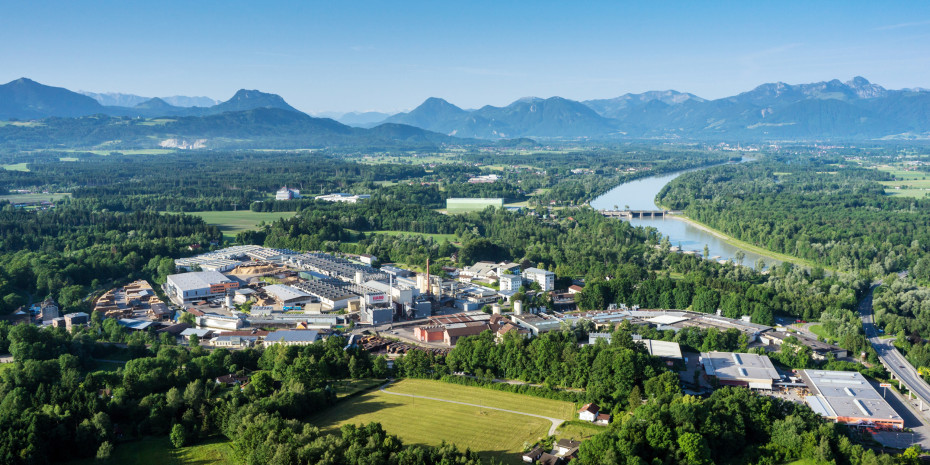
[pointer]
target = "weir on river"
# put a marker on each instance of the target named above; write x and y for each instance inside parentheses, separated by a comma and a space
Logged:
(639, 196)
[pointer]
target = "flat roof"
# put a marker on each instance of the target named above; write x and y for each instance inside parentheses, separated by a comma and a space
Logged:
(740, 367)
(197, 280)
(666, 319)
(663, 349)
(848, 397)
(296, 335)
(284, 293)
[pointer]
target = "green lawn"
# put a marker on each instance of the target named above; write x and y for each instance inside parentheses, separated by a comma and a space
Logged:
(818, 330)
(491, 433)
(16, 167)
(346, 388)
(159, 451)
(234, 222)
(578, 430)
(33, 197)
(489, 397)
(435, 237)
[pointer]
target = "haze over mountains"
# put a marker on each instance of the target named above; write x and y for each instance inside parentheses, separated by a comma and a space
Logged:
(116, 99)
(856, 109)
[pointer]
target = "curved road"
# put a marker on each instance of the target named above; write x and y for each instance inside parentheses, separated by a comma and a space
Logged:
(556, 422)
(888, 353)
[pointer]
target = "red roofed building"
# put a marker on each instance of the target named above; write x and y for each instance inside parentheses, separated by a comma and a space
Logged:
(589, 412)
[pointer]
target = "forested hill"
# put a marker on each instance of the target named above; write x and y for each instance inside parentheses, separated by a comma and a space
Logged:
(270, 128)
(834, 215)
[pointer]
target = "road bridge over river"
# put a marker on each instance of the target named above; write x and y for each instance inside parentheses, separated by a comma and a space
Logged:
(637, 213)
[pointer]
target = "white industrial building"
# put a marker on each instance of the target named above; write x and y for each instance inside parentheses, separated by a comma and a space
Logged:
(847, 397)
(287, 194)
(510, 282)
(296, 337)
(750, 370)
(545, 279)
(196, 285)
(288, 295)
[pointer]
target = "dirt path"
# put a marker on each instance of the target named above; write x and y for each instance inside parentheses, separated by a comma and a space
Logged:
(556, 422)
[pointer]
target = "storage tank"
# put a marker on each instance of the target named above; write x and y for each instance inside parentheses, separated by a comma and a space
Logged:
(518, 307)
(496, 309)
(229, 301)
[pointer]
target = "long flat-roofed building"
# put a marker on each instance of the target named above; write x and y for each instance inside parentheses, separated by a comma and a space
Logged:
(847, 397)
(749, 370)
(186, 287)
(288, 295)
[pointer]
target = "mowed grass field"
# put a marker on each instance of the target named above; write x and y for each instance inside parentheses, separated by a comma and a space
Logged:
(491, 433)
(159, 451)
(232, 223)
(33, 197)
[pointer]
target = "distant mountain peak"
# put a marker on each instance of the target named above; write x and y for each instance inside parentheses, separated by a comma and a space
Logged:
(248, 99)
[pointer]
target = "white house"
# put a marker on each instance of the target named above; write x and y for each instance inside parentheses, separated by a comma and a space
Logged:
(588, 412)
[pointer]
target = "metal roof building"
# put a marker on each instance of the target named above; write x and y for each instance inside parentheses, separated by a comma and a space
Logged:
(288, 294)
(750, 370)
(292, 337)
(847, 397)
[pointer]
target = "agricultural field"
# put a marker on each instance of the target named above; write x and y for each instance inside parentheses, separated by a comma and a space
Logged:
(159, 451)
(16, 167)
(232, 223)
(34, 197)
(914, 184)
(491, 433)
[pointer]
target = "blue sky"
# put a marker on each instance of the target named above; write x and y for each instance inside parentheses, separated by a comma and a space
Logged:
(391, 55)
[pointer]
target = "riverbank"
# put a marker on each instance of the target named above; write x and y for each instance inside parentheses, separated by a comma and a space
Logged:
(745, 245)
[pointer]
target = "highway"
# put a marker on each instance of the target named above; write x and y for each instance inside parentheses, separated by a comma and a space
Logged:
(888, 353)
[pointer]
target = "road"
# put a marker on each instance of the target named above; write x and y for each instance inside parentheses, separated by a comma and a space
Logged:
(888, 353)
(556, 422)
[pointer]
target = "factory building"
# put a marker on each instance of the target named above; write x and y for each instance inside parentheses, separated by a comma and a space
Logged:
(847, 397)
(287, 194)
(331, 293)
(510, 282)
(376, 315)
(197, 285)
(470, 204)
(545, 279)
(335, 267)
(749, 370)
(288, 295)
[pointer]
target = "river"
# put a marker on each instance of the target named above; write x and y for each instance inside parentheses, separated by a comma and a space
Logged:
(640, 195)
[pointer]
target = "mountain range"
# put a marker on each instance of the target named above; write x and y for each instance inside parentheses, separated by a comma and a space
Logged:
(56, 118)
(852, 110)
(856, 109)
(116, 99)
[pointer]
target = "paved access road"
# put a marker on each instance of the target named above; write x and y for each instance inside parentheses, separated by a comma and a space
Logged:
(556, 422)
(889, 354)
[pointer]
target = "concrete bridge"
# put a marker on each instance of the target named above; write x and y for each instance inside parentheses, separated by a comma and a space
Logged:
(637, 213)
